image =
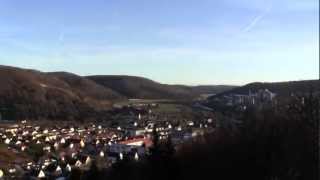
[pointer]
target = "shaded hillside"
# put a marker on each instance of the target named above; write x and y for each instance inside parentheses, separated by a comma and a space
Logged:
(28, 94)
(142, 88)
(87, 89)
(282, 88)
(212, 89)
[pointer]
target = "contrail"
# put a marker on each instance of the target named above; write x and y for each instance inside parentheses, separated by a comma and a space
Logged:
(61, 42)
(61, 37)
(257, 19)
(254, 22)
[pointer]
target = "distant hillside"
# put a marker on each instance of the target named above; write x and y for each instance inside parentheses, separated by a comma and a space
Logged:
(35, 95)
(85, 87)
(141, 88)
(212, 89)
(281, 88)
(31, 94)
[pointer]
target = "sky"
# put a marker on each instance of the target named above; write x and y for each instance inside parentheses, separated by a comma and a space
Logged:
(171, 41)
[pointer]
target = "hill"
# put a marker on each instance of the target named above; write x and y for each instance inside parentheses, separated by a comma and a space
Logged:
(29, 94)
(141, 88)
(210, 89)
(86, 88)
(283, 89)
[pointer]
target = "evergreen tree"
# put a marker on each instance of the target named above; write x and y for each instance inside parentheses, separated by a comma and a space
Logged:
(155, 149)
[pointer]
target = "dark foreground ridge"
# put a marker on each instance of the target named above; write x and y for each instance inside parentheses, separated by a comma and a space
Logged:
(270, 143)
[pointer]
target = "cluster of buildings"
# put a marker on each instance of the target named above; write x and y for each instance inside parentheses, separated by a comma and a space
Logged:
(52, 152)
(262, 96)
(141, 118)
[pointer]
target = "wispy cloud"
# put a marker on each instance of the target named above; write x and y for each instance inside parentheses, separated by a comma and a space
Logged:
(258, 18)
(61, 37)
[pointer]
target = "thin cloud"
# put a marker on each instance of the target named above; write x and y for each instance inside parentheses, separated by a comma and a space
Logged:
(257, 19)
(61, 37)
(60, 51)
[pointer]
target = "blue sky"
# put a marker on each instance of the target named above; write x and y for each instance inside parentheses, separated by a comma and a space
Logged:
(170, 41)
